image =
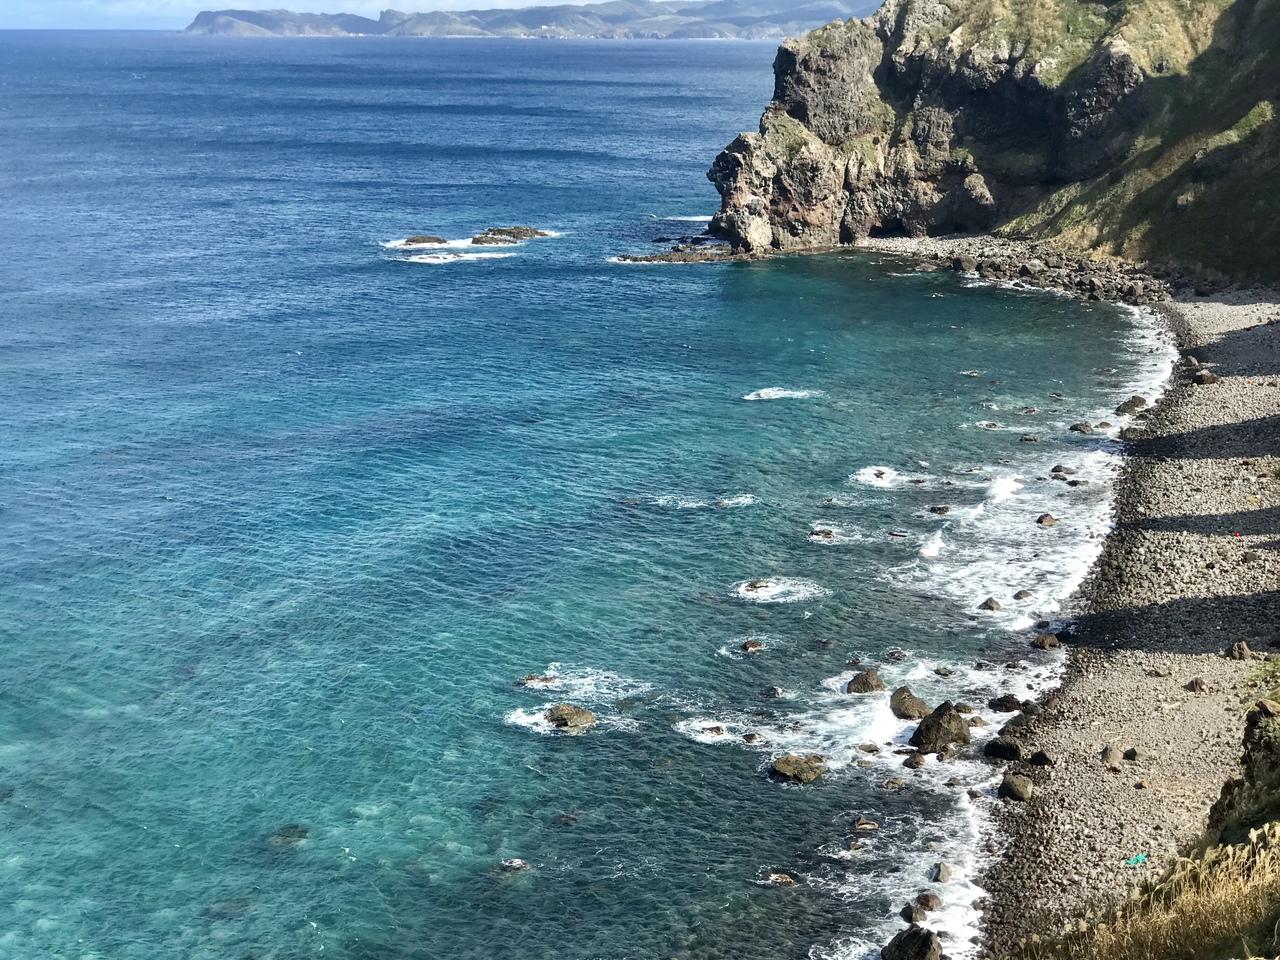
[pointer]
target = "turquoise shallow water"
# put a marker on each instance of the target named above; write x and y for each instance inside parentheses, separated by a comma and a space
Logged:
(283, 513)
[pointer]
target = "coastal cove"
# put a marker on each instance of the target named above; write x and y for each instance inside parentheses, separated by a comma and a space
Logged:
(324, 486)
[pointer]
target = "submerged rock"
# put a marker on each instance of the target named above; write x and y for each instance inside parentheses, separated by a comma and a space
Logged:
(798, 768)
(289, 835)
(514, 865)
(535, 680)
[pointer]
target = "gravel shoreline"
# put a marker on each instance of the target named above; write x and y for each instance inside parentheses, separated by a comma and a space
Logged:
(1192, 567)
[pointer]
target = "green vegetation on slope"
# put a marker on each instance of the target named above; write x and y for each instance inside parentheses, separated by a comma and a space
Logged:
(1199, 186)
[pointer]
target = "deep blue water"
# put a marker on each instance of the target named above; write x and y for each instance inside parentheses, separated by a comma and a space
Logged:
(284, 513)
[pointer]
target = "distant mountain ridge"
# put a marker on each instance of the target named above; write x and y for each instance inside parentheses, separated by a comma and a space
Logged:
(618, 19)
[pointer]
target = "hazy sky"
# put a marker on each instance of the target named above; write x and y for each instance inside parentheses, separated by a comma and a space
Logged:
(176, 14)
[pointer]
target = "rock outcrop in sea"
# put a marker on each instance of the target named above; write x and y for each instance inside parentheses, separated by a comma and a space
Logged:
(1123, 128)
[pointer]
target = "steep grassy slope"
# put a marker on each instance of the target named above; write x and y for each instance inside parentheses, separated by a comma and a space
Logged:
(1200, 182)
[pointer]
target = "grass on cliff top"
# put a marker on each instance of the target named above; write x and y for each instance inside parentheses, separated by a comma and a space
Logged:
(1061, 35)
(1222, 905)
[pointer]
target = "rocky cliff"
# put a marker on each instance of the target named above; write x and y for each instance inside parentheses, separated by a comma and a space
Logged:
(1140, 128)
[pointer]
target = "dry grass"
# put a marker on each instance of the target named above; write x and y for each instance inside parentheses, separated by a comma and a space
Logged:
(1221, 904)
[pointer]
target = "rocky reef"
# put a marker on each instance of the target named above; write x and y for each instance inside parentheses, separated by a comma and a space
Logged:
(1131, 128)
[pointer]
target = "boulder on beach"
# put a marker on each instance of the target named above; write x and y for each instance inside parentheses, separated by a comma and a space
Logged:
(1082, 427)
(1003, 748)
(1239, 651)
(798, 768)
(1016, 787)
(940, 729)
(868, 681)
(913, 943)
(503, 235)
(1047, 520)
(907, 706)
(991, 605)
(941, 873)
(567, 716)
(1204, 378)
(1046, 641)
(1131, 406)
(1006, 703)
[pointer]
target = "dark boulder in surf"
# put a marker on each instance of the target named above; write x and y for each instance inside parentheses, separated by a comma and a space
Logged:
(940, 730)
(913, 943)
(798, 768)
(570, 718)
(907, 706)
(868, 681)
(505, 235)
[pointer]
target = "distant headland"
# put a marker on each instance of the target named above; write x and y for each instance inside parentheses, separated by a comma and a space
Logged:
(634, 19)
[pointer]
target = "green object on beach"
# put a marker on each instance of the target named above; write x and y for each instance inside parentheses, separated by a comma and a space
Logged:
(1137, 860)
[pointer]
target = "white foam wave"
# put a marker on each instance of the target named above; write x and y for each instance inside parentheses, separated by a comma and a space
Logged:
(536, 721)
(782, 393)
(1004, 487)
(883, 477)
(933, 546)
(437, 258)
(829, 534)
(700, 219)
(779, 590)
(586, 684)
(727, 502)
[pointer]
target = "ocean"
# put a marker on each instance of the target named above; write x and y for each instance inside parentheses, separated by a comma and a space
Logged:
(287, 509)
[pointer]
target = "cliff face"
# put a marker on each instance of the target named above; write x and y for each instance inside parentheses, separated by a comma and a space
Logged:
(1137, 128)
(1253, 800)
